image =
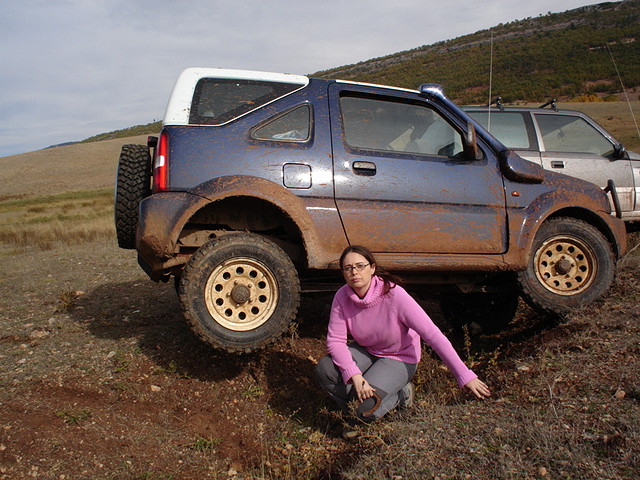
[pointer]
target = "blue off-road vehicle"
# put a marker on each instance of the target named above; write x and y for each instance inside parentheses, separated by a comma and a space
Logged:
(258, 181)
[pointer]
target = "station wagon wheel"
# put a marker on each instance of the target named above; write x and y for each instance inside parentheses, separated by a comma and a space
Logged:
(239, 292)
(571, 264)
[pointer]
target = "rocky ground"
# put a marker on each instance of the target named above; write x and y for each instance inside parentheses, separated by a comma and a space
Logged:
(102, 379)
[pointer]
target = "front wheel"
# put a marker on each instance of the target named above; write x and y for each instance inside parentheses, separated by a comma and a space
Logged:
(239, 292)
(571, 265)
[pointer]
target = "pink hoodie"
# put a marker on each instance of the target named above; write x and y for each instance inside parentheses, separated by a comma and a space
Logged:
(387, 326)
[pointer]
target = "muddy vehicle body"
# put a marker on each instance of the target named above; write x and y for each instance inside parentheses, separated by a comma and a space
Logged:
(260, 180)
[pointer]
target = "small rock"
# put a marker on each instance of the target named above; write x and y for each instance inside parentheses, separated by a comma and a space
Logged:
(543, 471)
(38, 334)
(155, 388)
(620, 394)
(498, 431)
(111, 354)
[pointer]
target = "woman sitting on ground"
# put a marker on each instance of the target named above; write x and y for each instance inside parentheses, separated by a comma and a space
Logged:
(386, 325)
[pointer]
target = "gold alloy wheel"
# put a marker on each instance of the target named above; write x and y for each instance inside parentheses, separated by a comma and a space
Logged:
(241, 294)
(565, 265)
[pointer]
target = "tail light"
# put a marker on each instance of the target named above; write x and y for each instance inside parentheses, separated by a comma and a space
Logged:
(161, 164)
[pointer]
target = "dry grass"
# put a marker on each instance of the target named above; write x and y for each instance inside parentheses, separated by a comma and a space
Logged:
(69, 219)
(87, 338)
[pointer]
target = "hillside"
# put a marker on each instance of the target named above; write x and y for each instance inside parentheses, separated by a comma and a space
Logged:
(81, 166)
(559, 55)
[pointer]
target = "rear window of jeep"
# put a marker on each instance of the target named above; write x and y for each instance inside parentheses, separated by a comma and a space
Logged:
(217, 101)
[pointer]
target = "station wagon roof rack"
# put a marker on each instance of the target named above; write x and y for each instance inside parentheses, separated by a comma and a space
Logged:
(498, 102)
(551, 102)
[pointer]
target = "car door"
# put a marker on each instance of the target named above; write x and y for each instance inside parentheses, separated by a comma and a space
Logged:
(571, 145)
(402, 184)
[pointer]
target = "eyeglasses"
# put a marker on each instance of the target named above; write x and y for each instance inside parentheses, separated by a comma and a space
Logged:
(358, 267)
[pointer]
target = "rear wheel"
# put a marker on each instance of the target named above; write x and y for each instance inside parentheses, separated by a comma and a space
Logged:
(571, 265)
(133, 183)
(239, 292)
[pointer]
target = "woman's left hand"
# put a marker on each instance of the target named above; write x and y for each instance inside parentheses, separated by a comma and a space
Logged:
(478, 388)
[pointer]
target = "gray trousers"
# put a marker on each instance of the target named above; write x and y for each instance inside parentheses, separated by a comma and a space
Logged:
(386, 376)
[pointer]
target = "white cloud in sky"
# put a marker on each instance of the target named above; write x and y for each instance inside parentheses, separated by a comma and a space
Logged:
(76, 68)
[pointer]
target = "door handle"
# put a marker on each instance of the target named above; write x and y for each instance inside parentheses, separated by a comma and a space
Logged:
(557, 164)
(364, 168)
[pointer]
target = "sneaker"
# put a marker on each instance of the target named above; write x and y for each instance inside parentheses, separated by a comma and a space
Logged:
(408, 392)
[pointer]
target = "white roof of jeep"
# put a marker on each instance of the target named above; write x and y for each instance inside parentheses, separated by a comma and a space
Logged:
(179, 106)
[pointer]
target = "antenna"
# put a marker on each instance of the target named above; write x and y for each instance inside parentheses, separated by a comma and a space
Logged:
(623, 90)
(490, 82)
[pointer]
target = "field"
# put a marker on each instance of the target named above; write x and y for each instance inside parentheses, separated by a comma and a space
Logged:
(100, 378)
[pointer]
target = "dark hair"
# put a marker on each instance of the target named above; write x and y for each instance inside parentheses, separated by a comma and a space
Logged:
(390, 280)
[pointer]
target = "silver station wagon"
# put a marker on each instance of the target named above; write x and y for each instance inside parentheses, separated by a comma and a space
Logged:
(569, 142)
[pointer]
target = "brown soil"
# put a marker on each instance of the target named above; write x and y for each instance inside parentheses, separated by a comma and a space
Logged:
(101, 379)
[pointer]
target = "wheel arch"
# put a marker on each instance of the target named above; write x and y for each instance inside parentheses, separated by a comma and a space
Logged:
(593, 219)
(248, 197)
(249, 213)
(527, 222)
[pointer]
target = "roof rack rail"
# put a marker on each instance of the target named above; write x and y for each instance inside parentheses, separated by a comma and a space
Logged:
(551, 102)
(498, 102)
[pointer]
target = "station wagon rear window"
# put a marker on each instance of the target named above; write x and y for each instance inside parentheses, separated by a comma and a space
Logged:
(217, 101)
(508, 127)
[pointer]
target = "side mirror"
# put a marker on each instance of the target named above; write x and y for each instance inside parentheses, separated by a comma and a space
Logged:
(517, 169)
(471, 149)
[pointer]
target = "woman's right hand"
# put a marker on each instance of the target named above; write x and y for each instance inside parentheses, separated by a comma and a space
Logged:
(363, 389)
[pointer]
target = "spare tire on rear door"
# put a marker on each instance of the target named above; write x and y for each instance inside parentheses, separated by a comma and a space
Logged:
(133, 183)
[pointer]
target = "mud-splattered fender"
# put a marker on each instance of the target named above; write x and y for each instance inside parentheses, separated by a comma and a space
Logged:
(164, 215)
(529, 206)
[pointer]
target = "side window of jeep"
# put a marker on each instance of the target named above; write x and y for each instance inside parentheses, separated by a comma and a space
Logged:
(291, 126)
(394, 126)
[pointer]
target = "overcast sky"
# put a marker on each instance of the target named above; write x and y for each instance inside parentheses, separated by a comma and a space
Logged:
(76, 68)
